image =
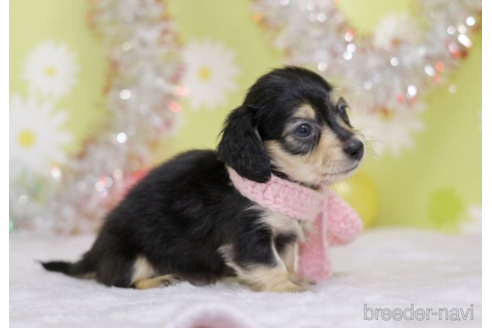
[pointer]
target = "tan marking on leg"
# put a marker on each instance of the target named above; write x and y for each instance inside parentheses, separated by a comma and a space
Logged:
(142, 269)
(271, 279)
(262, 277)
(288, 256)
(157, 282)
(227, 253)
(88, 276)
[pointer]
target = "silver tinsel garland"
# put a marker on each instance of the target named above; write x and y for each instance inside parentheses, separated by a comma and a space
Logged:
(141, 45)
(315, 33)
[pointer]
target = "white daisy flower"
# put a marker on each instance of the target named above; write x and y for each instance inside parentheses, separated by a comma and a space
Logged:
(36, 138)
(395, 29)
(210, 73)
(390, 129)
(51, 69)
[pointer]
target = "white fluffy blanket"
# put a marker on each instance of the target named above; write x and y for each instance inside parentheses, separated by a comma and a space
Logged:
(391, 268)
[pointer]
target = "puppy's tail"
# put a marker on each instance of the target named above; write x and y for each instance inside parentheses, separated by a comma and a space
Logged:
(58, 266)
(77, 269)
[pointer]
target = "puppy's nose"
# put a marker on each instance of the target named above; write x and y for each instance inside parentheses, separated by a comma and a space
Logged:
(354, 148)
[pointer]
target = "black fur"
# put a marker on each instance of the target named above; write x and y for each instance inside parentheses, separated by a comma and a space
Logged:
(177, 217)
(58, 266)
(241, 147)
(184, 211)
(282, 240)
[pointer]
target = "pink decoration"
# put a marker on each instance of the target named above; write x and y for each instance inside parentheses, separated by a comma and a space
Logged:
(335, 222)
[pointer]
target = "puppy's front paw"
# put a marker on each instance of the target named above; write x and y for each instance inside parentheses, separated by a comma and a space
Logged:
(298, 288)
(289, 287)
(297, 279)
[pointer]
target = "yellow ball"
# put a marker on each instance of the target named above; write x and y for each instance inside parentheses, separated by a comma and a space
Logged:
(361, 193)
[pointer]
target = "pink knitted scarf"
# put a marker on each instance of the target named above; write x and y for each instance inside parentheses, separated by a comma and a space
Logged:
(335, 222)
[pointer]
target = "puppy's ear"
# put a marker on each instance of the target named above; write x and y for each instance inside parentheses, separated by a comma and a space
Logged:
(241, 147)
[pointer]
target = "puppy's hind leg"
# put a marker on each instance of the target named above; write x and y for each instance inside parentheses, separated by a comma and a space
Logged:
(157, 282)
(145, 276)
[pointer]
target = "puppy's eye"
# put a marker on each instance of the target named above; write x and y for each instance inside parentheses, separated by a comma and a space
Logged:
(342, 109)
(303, 131)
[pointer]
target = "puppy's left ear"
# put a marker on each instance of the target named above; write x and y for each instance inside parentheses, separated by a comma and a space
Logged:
(241, 147)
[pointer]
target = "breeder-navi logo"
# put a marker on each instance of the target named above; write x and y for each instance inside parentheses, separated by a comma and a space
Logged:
(419, 314)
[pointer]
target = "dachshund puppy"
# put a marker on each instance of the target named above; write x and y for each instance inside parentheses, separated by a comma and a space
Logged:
(186, 221)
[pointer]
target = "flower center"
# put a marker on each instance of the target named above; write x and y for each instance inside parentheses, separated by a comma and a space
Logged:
(204, 74)
(385, 114)
(26, 138)
(50, 71)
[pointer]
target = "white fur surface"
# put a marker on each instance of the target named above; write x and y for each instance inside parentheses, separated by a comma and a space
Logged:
(386, 268)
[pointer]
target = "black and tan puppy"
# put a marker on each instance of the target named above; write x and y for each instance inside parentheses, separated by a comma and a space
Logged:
(186, 221)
